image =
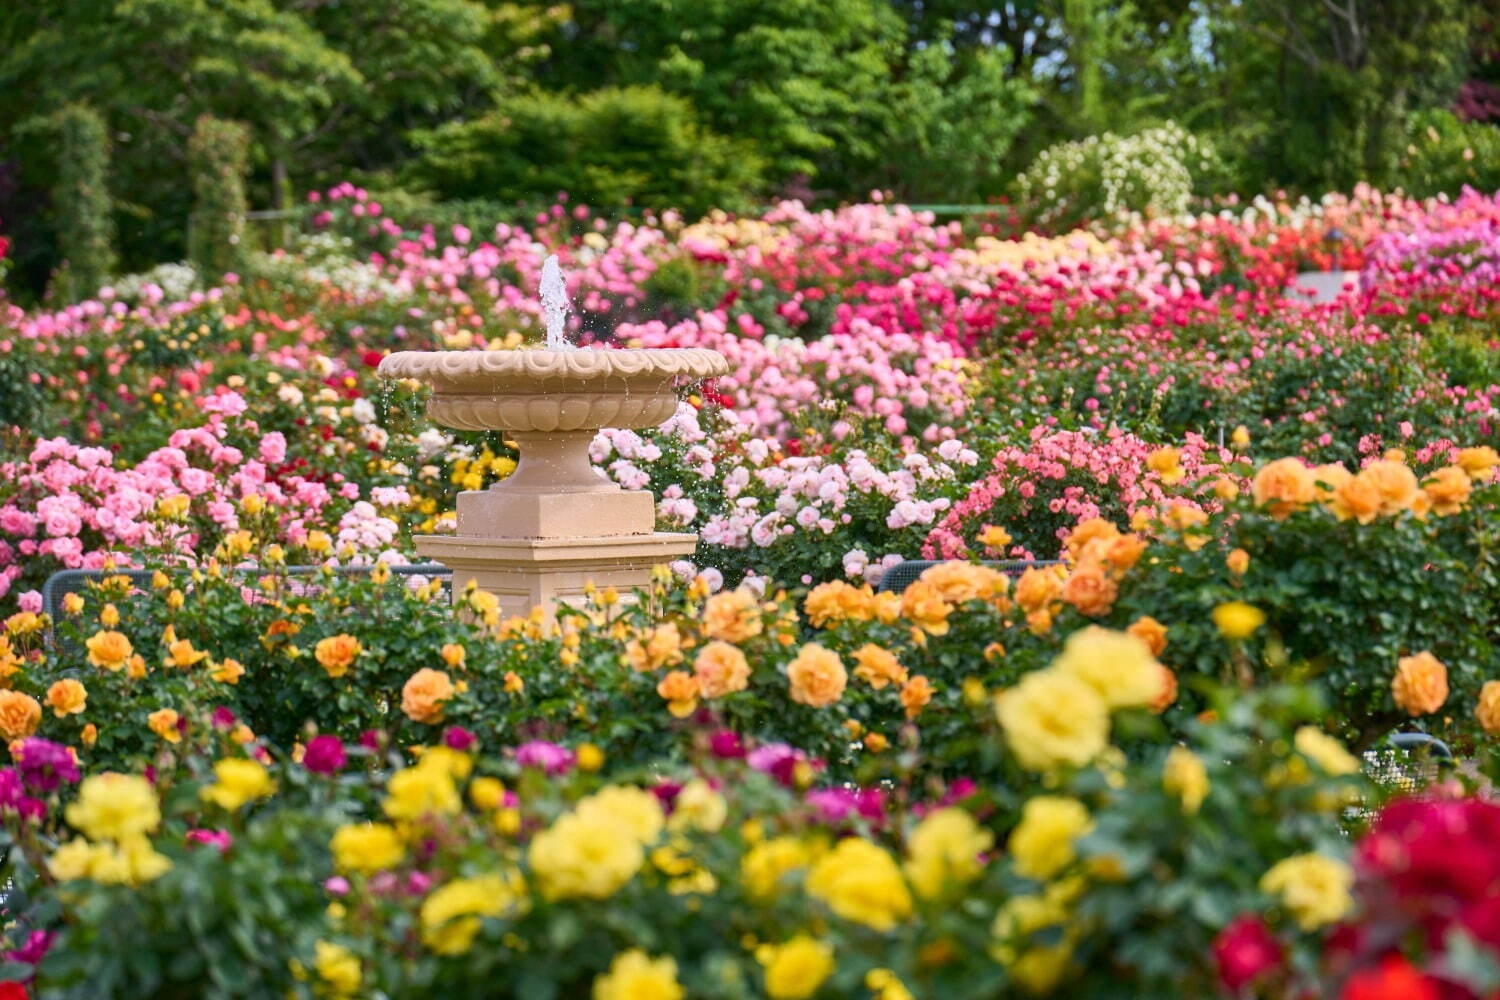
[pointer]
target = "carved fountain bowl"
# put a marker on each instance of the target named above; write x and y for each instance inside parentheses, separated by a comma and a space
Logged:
(552, 391)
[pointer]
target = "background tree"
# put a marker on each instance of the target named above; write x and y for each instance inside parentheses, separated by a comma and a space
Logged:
(219, 152)
(83, 219)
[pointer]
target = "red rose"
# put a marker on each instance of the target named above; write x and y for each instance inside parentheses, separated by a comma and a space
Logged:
(1393, 979)
(13, 991)
(1244, 951)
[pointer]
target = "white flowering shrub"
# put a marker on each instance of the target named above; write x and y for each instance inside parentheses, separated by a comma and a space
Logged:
(1153, 172)
(171, 281)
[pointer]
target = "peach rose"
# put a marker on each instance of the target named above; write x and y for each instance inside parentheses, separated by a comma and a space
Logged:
(1090, 590)
(1150, 631)
(20, 714)
(67, 697)
(1448, 489)
(1038, 588)
(1330, 477)
(337, 653)
(817, 676)
(915, 694)
(877, 666)
(1124, 552)
(1357, 497)
(1479, 462)
(1238, 562)
(1286, 485)
(721, 668)
(732, 616)
(1094, 529)
(423, 695)
(656, 648)
(958, 582)
(680, 689)
(1396, 482)
(838, 601)
(1488, 709)
(1421, 684)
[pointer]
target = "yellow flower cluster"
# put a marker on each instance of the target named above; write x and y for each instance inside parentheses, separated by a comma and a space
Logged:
(944, 851)
(599, 846)
(116, 812)
(1383, 488)
(861, 882)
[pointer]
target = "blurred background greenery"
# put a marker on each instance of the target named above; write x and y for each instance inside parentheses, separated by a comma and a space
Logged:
(113, 112)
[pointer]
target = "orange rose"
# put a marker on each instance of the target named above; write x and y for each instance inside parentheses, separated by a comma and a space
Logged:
(453, 654)
(110, 650)
(1168, 694)
(1038, 588)
(20, 714)
(67, 697)
(1089, 590)
(1150, 631)
(1124, 552)
(958, 582)
(1286, 485)
(721, 669)
(1448, 488)
(656, 648)
(1488, 709)
(163, 723)
(680, 689)
(1357, 497)
(838, 601)
(915, 694)
(733, 616)
(1238, 562)
(423, 695)
(90, 735)
(1396, 482)
(1421, 684)
(1330, 477)
(1164, 462)
(923, 605)
(1095, 528)
(817, 676)
(877, 666)
(337, 653)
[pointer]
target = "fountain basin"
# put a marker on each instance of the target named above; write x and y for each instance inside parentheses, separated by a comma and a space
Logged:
(556, 524)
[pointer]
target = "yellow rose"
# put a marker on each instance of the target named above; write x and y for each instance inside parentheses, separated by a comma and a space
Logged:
(1164, 462)
(1487, 712)
(427, 789)
(236, 782)
(453, 654)
(1117, 665)
(181, 653)
(915, 694)
(721, 668)
(1479, 462)
(338, 969)
(1285, 485)
(1313, 887)
(227, 671)
(1042, 842)
(114, 806)
(1238, 620)
(817, 676)
(732, 616)
(796, 969)
(366, 847)
(698, 807)
(451, 914)
(67, 697)
(636, 809)
(1053, 718)
(860, 882)
(1420, 686)
(1184, 777)
(944, 850)
(588, 858)
(424, 694)
(763, 866)
(634, 975)
(1325, 751)
(337, 653)
(109, 650)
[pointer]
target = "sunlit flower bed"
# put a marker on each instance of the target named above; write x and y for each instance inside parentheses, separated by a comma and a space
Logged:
(1137, 772)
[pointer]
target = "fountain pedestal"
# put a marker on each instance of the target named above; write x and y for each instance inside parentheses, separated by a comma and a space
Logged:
(555, 525)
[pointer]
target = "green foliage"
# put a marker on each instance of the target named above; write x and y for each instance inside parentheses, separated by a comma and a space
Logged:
(218, 151)
(1443, 155)
(81, 201)
(617, 146)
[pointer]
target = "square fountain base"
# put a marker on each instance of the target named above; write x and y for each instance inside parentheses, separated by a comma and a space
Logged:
(530, 572)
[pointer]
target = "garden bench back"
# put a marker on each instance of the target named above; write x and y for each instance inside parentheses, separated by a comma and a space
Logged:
(904, 574)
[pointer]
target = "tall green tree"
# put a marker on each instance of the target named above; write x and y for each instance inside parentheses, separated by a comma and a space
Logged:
(219, 152)
(81, 202)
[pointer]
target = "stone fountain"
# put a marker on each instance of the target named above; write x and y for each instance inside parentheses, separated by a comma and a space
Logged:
(555, 525)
